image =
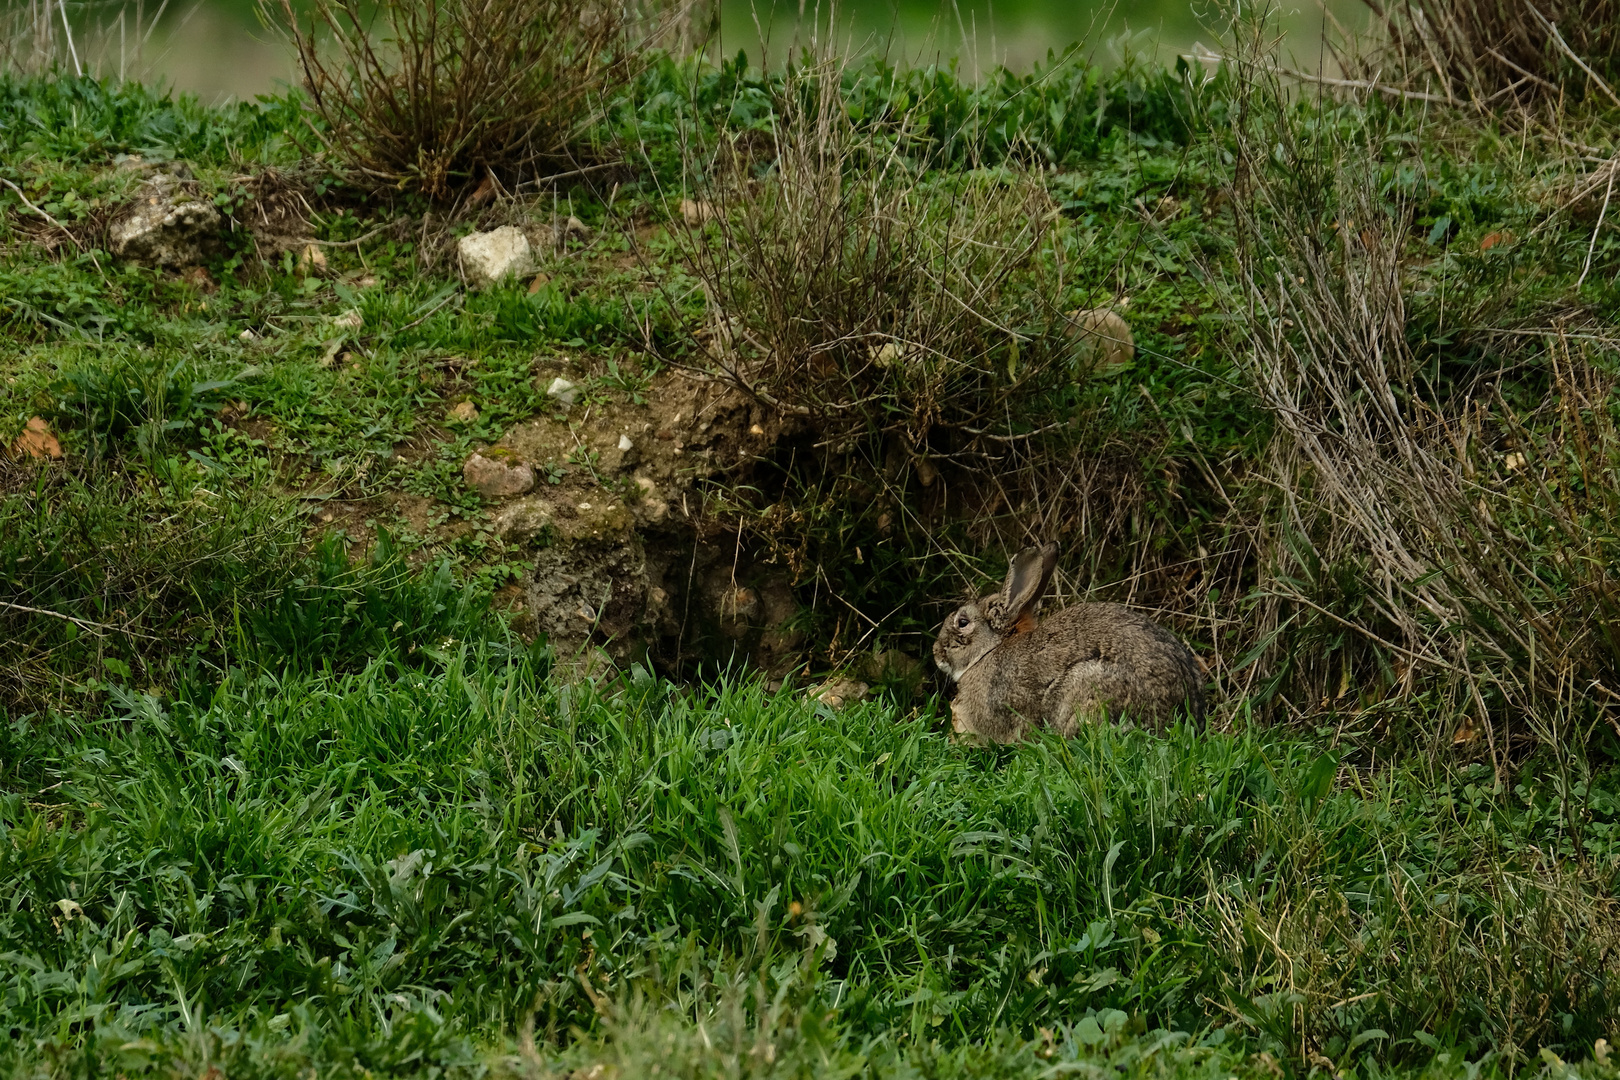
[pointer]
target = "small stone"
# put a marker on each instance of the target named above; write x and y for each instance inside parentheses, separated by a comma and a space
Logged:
(841, 692)
(464, 412)
(625, 445)
(165, 224)
(524, 519)
(563, 390)
(739, 602)
(696, 213)
(894, 666)
(349, 320)
(246, 335)
(755, 429)
(1104, 338)
(311, 260)
(200, 279)
(888, 355)
(738, 606)
(37, 442)
(489, 257)
(649, 507)
(495, 480)
(927, 473)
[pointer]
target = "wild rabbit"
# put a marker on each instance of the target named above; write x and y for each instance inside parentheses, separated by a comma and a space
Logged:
(1014, 673)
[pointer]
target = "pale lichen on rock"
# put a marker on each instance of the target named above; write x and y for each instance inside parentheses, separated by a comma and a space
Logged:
(167, 224)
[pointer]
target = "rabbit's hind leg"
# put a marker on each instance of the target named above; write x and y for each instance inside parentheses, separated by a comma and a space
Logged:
(1090, 691)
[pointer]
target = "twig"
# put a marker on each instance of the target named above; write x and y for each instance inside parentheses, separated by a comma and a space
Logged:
(67, 32)
(84, 623)
(547, 180)
(1592, 247)
(357, 241)
(32, 207)
(1522, 71)
(1363, 84)
(1015, 438)
(424, 318)
(1348, 84)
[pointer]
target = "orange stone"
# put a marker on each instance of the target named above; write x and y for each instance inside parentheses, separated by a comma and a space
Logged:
(37, 442)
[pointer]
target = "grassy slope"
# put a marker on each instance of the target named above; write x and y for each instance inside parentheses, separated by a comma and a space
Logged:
(354, 828)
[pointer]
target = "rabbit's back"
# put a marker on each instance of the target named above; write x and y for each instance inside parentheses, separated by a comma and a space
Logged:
(1088, 658)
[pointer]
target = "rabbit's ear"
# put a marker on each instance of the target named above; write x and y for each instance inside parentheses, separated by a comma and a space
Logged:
(1027, 579)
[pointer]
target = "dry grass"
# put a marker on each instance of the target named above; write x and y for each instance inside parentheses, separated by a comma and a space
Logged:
(1464, 542)
(1501, 953)
(1495, 53)
(105, 38)
(912, 323)
(439, 95)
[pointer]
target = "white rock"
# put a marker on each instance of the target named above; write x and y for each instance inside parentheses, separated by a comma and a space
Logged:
(841, 692)
(625, 443)
(165, 224)
(888, 355)
(563, 390)
(488, 257)
(1104, 340)
(524, 519)
(496, 479)
(312, 260)
(696, 213)
(246, 335)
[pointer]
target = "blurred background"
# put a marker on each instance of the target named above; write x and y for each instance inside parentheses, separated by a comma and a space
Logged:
(224, 49)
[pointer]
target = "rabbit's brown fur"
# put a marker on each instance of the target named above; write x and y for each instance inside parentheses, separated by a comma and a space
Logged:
(1014, 673)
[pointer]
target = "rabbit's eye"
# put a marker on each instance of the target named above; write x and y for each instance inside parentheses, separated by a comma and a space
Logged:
(963, 622)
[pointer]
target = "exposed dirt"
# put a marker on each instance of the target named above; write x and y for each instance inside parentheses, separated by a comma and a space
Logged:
(623, 558)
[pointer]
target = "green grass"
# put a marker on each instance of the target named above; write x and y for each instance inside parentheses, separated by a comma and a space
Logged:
(431, 859)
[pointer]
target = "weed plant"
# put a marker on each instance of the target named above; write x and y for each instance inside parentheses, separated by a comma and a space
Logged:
(118, 579)
(885, 262)
(78, 121)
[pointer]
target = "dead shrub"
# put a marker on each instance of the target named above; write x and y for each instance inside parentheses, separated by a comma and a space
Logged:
(1422, 532)
(845, 283)
(433, 95)
(1489, 53)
